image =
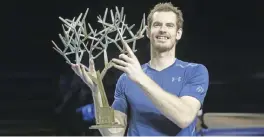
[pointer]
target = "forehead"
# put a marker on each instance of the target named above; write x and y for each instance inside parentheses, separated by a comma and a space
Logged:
(164, 17)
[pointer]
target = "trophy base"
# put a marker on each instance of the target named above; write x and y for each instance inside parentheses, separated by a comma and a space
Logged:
(106, 126)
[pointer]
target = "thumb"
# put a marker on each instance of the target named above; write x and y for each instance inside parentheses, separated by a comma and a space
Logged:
(85, 77)
(91, 66)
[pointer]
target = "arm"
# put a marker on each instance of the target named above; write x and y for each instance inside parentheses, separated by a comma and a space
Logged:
(181, 110)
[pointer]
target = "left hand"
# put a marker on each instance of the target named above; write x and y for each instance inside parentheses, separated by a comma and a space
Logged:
(129, 64)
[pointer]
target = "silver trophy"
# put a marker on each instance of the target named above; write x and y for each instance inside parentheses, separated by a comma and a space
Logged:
(80, 37)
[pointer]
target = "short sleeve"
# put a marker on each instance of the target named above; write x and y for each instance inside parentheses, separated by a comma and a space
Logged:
(120, 102)
(197, 82)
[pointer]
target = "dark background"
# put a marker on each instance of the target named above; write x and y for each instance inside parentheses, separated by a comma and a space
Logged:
(224, 35)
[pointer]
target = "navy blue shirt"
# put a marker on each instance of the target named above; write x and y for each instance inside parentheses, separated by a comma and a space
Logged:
(180, 79)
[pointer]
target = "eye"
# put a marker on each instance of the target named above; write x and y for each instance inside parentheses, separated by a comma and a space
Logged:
(156, 24)
(170, 25)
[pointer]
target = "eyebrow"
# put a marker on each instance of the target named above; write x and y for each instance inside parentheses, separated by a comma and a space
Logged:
(170, 23)
(156, 22)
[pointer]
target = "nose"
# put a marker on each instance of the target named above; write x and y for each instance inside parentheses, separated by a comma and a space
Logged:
(163, 29)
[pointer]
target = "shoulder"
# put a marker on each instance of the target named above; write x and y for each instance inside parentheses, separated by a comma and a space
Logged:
(122, 78)
(192, 68)
(190, 65)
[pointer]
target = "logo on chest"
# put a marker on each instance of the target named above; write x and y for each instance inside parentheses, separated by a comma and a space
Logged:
(176, 79)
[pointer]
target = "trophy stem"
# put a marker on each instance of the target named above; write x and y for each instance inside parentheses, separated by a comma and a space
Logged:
(97, 104)
(101, 90)
(104, 114)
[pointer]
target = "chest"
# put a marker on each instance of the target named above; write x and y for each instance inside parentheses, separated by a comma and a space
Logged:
(140, 102)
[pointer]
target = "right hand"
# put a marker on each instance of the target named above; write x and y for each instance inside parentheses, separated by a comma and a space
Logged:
(83, 74)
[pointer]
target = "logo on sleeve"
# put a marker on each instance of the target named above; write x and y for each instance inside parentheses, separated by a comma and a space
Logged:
(200, 89)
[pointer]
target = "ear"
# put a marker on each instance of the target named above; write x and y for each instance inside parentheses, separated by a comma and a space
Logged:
(179, 34)
(147, 31)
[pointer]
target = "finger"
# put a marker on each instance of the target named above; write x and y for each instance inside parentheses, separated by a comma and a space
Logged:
(119, 67)
(128, 49)
(126, 58)
(85, 76)
(78, 70)
(91, 66)
(75, 69)
(120, 62)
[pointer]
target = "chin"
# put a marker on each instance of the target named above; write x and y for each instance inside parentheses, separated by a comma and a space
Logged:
(163, 47)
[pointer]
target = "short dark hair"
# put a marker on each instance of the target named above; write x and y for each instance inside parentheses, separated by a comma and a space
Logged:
(166, 7)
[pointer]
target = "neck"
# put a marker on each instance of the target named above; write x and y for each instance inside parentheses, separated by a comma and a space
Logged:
(160, 61)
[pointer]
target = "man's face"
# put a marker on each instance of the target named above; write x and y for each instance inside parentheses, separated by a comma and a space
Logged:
(163, 31)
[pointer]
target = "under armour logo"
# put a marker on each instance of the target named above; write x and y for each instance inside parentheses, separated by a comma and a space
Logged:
(200, 89)
(179, 79)
(173, 79)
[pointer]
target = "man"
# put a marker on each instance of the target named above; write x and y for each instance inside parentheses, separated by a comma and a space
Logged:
(164, 95)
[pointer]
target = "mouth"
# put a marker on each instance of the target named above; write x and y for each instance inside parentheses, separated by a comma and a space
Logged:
(162, 37)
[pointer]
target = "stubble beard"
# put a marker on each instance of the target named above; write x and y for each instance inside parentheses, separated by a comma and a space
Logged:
(162, 47)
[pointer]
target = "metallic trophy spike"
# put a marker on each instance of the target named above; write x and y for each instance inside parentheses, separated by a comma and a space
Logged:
(79, 38)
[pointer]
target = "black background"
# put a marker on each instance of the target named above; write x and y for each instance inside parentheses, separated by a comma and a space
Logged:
(224, 35)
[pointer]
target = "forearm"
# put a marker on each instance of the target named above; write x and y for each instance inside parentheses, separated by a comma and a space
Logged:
(170, 105)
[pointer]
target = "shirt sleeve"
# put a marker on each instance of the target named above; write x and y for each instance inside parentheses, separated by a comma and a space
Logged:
(120, 101)
(197, 83)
